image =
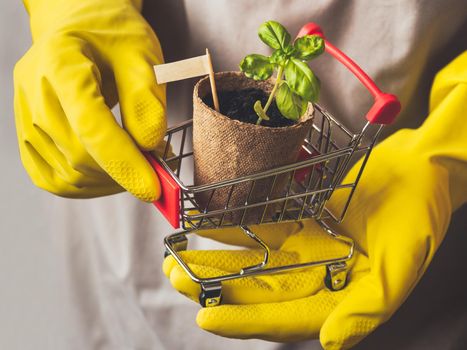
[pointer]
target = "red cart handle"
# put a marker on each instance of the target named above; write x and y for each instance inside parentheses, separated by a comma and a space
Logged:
(386, 106)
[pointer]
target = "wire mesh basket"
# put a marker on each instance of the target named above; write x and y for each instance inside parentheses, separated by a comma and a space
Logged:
(293, 192)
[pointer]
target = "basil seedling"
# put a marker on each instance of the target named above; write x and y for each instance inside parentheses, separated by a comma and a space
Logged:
(300, 85)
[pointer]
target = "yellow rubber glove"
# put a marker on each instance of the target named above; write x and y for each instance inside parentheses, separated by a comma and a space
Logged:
(398, 217)
(86, 56)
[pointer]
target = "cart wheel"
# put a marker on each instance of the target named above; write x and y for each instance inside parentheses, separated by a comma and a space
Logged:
(336, 276)
(177, 243)
(211, 295)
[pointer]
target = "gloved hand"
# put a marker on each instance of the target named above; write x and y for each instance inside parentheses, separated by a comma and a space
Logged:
(86, 56)
(398, 217)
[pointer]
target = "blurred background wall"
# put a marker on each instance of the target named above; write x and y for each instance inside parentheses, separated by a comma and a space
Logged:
(29, 284)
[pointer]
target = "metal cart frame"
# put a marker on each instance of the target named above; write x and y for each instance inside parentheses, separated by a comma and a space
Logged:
(327, 154)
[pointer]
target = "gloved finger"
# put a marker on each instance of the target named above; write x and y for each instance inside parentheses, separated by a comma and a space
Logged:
(51, 118)
(110, 146)
(180, 280)
(273, 234)
(45, 146)
(43, 176)
(287, 321)
(230, 260)
(142, 100)
(321, 245)
(254, 289)
(263, 288)
(45, 164)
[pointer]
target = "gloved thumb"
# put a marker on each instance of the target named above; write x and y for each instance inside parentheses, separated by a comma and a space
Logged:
(142, 100)
(447, 79)
(442, 138)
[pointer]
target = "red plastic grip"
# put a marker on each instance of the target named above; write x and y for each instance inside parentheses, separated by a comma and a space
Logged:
(386, 106)
(169, 201)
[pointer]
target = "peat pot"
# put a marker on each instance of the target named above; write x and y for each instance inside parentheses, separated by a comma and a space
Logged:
(225, 148)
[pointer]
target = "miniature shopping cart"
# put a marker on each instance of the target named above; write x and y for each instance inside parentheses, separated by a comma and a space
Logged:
(327, 153)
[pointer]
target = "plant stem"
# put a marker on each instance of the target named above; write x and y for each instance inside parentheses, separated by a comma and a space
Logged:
(280, 71)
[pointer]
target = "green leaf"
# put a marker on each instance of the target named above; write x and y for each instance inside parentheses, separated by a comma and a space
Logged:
(260, 111)
(301, 80)
(289, 50)
(274, 34)
(291, 105)
(257, 67)
(278, 57)
(308, 47)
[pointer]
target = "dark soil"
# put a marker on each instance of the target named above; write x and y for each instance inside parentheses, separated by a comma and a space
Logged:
(238, 105)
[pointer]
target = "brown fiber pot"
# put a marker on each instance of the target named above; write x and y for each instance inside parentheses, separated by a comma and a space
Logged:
(224, 148)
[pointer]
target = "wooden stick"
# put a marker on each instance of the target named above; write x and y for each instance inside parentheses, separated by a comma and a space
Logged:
(213, 82)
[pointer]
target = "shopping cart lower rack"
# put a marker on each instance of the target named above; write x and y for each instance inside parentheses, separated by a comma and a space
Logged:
(306, 186)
